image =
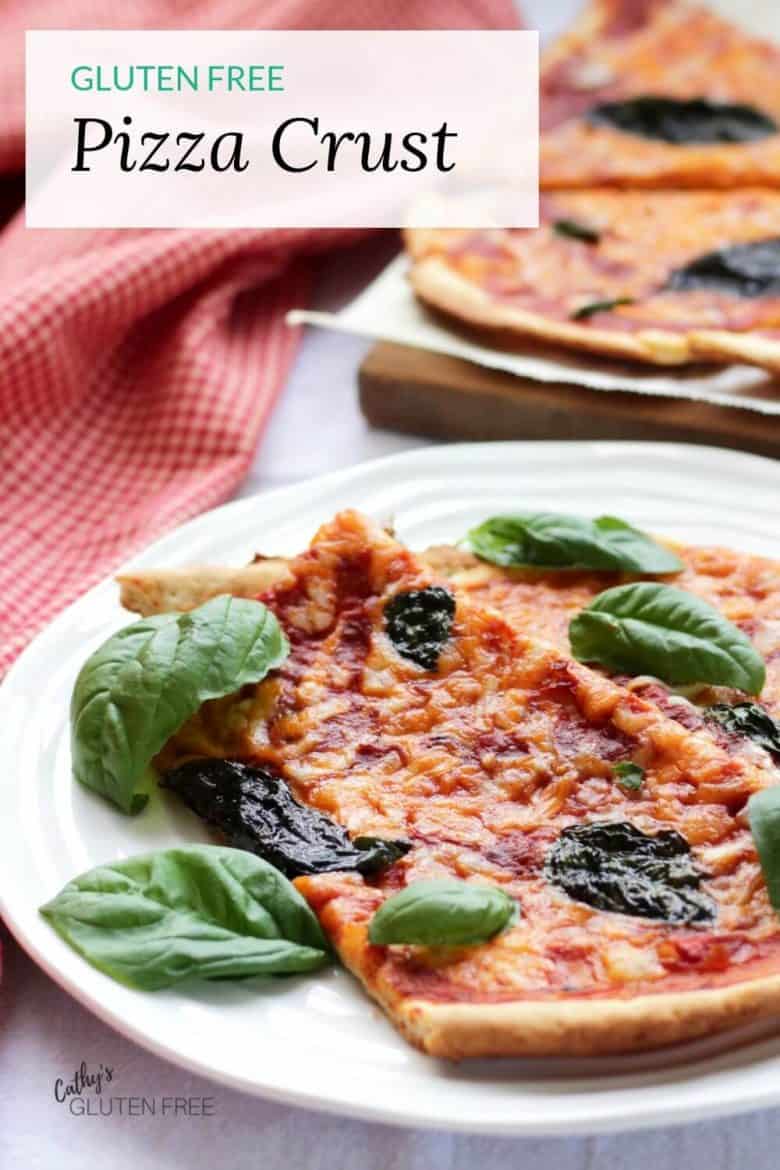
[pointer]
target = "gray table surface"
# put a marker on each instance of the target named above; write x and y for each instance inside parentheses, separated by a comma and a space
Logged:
(44, 1035)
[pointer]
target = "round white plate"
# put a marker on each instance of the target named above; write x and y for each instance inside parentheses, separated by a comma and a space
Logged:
(319, 1041)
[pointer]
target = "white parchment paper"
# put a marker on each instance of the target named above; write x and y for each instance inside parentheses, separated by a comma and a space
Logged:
(388, 311)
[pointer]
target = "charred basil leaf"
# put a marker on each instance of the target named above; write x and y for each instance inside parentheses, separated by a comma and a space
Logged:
(764, 817)
(554, 540)
(751, 720)
(576, 231)
(192, 911)
(650, 628)
(612, 865)
(255, 810)
(744, 270)
(684, 121)
(442, 912)
(629, 775)
(594, 307)
(418, 623)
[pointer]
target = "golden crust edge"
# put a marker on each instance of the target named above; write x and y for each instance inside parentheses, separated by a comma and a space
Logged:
(585, 1028)
(752, 348)
(704, 170)
(150, 591)
(435, 283)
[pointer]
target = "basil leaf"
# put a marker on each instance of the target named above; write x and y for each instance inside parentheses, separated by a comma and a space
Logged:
(629, 775)
(552, 540)
(142, 684)
(594, 307)
(195, 910)
(612, 865)
(764, 816)
(748, 719)
(742, 270)
(442, 912)
(418, 623)
(254, 809)
(684, 120)
(576, 231)
(650, 628)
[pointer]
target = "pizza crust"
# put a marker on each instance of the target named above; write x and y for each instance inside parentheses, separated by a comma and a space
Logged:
(435, 283)
(153, 591)
(578, 1027)
(720, 345)
(585, 1028)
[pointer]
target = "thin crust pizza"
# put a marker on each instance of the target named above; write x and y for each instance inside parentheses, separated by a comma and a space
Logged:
(744, 588)
(408, 711)
(541, 602)
(659, 93)
(681, 111)
(665, 277)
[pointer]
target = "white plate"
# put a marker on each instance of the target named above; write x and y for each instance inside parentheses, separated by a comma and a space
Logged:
(318, 1041)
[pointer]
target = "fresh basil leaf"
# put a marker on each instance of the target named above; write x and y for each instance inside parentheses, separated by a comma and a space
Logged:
(594, 307)
(651, 628)
(750, 720)
(553, 540)
(576, 231)
(629, 775)
(141, 685)
(764, 816)
(442, 912)
(196, 910)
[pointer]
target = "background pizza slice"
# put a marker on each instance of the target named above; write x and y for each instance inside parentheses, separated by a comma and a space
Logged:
(483, 749)
(659, 93)
(666, 277)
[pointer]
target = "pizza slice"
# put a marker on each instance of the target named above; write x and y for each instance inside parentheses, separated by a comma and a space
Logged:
(744, 588)
(659, 93)
(541, 602)
(665, 277)
(406, 713)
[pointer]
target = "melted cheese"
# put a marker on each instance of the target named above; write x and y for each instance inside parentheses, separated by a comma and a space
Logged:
(645, 235)
(480, 764)
(745, 588)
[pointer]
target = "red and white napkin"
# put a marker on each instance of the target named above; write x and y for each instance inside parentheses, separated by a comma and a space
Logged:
(138, 368)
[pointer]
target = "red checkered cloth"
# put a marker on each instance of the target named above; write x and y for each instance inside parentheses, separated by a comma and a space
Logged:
(137, 369)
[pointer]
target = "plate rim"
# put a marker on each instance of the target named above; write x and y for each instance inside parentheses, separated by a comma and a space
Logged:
(637, 1116)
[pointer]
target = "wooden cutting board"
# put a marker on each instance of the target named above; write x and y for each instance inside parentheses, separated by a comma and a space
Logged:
(423, 393)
